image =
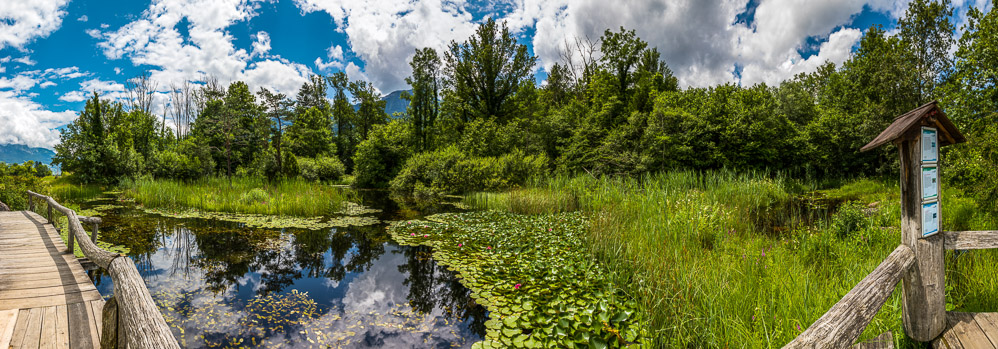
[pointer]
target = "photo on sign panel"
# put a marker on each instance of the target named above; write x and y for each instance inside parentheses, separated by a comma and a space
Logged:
(930, 150)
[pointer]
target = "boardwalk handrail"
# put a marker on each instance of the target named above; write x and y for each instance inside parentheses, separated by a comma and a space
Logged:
(846, 320)
(970, 240)
(130, 319)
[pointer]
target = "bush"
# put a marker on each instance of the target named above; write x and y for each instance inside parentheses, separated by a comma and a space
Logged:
(187, 160)
(323, 168)
(380, 157)
(451, 171)
(13, 190)
(255, 195)
(849, 220)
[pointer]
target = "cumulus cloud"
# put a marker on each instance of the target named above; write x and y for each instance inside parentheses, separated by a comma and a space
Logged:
(18, 83)
(107, 89)
(26, 122)
(24, 60)
(207, 49)
(25, 21)
(385, 34)
(261, 44)
(83, 18)
(335, 56)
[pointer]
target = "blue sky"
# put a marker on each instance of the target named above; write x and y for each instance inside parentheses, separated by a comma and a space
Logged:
(55, 53)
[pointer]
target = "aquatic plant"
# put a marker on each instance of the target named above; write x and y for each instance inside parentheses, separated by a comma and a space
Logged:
(289, 197)
(269, 221)
(534, 276)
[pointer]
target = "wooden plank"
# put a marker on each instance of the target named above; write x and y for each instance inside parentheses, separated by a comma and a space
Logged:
(49, 321)
(948, 340)
(968, 331)
(27, 282)
(80, 335)
(33, 332)
(62, 327)
(25, 303)
(971, 240)
(92, 322)
(989, 324)
(8, 318)
(20, 327)
(45, 291)
(43, 269)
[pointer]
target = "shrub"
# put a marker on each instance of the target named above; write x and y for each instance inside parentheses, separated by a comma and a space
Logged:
(255, 195)
(451, 171)
(323, 168)
(849, 220)
(187, 160)
(380, 157)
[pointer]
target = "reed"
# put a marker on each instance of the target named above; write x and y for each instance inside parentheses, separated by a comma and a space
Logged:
(291, 197)
(722, 259)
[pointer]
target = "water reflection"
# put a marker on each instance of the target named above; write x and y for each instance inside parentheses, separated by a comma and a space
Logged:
(220, 284)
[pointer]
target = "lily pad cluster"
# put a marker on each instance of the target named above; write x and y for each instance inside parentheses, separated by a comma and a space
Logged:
(354, 209)
(532, 273)
(269, 221)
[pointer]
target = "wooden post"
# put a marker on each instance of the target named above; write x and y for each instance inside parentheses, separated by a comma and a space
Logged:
(93, 235)
(924, 285)
(50, 215)
(31, 203)
(110, 338)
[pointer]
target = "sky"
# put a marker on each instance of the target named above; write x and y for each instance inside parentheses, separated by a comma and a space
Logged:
(56, 53)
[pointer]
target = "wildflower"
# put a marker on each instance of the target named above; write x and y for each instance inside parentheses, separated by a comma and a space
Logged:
(426, 235)
(516, 287)
(764, 253)
(549, 229)
(460, 245)
(488, 248)
(413, 234)
(798, 327)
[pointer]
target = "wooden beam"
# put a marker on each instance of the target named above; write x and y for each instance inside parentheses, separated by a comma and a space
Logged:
(971, 240)
(847, 319)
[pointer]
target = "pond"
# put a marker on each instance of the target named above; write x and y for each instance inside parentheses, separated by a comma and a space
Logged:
(222, 284)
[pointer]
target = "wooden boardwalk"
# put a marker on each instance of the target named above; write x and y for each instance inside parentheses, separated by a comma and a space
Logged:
(969, 330)
(46, 298)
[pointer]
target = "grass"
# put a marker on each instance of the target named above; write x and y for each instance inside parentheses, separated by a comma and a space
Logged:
(290, 197)
(738, 260)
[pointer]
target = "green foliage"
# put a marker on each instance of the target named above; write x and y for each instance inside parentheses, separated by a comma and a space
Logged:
(451, 171)
(381, 156)
(533, 275)
(185, 160)
(290, 197)
(324, 168)
(486, 71)
(311, 134)
(424, 103)
(13, 189)
(849, 220)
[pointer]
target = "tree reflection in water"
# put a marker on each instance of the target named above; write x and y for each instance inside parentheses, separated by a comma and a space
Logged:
(220, 257)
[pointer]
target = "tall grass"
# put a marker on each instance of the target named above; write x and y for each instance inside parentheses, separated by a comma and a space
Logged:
(721, 259)
(291, 197)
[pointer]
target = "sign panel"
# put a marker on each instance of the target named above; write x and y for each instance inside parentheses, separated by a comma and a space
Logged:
(930, 149)
(930, 183)
(930, 218)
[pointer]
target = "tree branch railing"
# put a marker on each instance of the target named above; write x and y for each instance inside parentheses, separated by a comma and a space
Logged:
(846, 320)
(130, 318)
(970, 240)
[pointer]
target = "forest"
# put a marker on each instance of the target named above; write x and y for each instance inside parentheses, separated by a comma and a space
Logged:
(606, 206)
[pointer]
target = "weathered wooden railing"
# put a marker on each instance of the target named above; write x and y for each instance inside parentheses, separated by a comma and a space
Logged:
(130, 318)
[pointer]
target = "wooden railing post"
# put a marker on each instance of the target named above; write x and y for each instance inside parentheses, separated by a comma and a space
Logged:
(93, 235)
(110, 336)
(924, 285)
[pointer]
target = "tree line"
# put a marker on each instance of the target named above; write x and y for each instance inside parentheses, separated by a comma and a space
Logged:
(610, 106)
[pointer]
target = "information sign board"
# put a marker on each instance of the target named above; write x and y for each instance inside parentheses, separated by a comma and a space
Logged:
(930, 183)
(930, 218)
(930, 148)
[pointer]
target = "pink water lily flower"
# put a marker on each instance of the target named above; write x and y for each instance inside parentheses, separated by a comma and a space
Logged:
(426, 235)
(516, 287)
(413, 234)
(488, 248)
(460, 245)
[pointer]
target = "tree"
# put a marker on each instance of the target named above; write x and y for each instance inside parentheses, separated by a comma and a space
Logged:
(972, 94)
(140, 92)
(278, 108)
(621, 52)
(370, 106)
(424, 103)
(345, 116)
(486, 71)
(97, 146)
(311, 135)
(312, 95)
(927, 33)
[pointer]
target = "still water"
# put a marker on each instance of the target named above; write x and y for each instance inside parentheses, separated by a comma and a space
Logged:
(220, 284)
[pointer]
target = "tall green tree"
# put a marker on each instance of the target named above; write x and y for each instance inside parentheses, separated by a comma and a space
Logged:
(424, 103)
(98, 147)
(312, 94)
(370, 107)
(278, 108)
(621, 53)
(927, 34)
(311, 135)
(485, 71)
(345, 116)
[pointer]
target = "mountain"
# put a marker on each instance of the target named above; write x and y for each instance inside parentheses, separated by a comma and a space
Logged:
(18, 153)
(393, 103)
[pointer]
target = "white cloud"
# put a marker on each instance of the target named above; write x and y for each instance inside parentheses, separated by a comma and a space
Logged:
(208, 48)
(261, 44)
(335, 55)
(25, 21)
(385, 34)
(107, 90)
(24, 60)
(83, 18)
(26, 122)
(47, 84)
(18, 83)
